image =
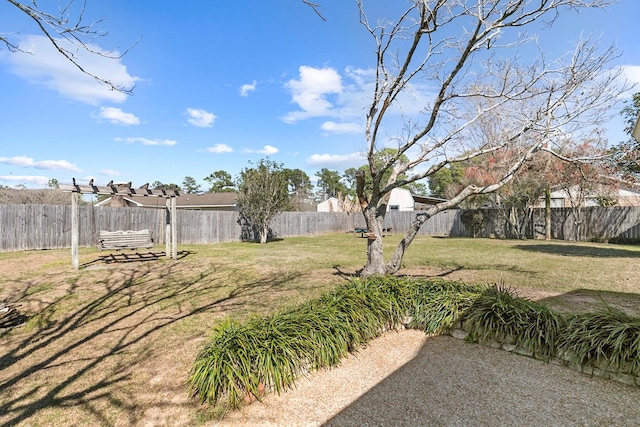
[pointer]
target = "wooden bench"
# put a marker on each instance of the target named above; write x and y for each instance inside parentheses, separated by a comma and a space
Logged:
(130, 239)
(365, 232)
(361, 230)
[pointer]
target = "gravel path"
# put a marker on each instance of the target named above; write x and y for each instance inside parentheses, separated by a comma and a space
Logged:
(407, 379)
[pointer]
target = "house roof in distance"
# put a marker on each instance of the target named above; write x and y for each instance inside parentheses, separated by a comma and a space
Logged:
(207, 199)
(427, 200)
(192, 201)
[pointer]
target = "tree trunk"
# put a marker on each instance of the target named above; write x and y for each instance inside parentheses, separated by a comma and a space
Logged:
(547, 214)
(375, 259)
(577, 221)
(264, 233)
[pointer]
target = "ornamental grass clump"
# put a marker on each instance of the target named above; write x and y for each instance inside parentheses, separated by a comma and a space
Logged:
(243, 360)
(435, 305)
(359, 310)
(226, 367)
(390, 296)
(270, 353)
(500, 314)
(606, 339)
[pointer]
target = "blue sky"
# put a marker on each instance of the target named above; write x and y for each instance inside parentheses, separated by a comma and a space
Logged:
(217, 85)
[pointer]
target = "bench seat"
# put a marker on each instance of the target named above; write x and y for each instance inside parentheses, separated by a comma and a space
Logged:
(365, 232)
(129, 239)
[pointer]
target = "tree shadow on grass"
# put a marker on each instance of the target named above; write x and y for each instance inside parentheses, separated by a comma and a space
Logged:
(85, 347)
(581, 250)
(345, 274)
(587, 300)
(129, 257)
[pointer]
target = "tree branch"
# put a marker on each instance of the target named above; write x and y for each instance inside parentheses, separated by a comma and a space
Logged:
(315, 7)
(77, 34)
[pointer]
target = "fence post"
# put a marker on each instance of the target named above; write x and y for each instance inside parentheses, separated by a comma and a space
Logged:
(75, 225)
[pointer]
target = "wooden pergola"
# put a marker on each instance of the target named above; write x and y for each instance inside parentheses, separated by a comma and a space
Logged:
(112, 189)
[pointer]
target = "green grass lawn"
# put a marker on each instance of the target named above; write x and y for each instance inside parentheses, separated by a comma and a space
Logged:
(114, 342)
(553, 266)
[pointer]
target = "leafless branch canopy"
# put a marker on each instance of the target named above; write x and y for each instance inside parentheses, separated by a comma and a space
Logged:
(67, 28)
(484, 95)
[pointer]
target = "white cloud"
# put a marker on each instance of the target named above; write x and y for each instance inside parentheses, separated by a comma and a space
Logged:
(118, 117)
(339, 161)
(246, 88)
(44, 65)
(341, 127)
(346, 96)
(268, 149)
(57, 165)
(110, 172)
(632, 73)
(28, 162)
(31, 179)
(220, 148)
(200, 118)
(310, 92)
(146, 141)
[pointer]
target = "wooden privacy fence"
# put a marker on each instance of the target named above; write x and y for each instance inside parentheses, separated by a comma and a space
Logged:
(586, 224)
(26, 227)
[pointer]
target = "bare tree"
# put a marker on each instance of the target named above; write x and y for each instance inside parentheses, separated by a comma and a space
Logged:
(466, 54)
(24, 196)
(68, 32)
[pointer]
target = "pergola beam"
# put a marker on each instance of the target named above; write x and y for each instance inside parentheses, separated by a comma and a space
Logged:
(118, 190)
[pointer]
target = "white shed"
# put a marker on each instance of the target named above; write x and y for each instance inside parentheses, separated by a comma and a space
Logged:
(401, 200)
(329, 205)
